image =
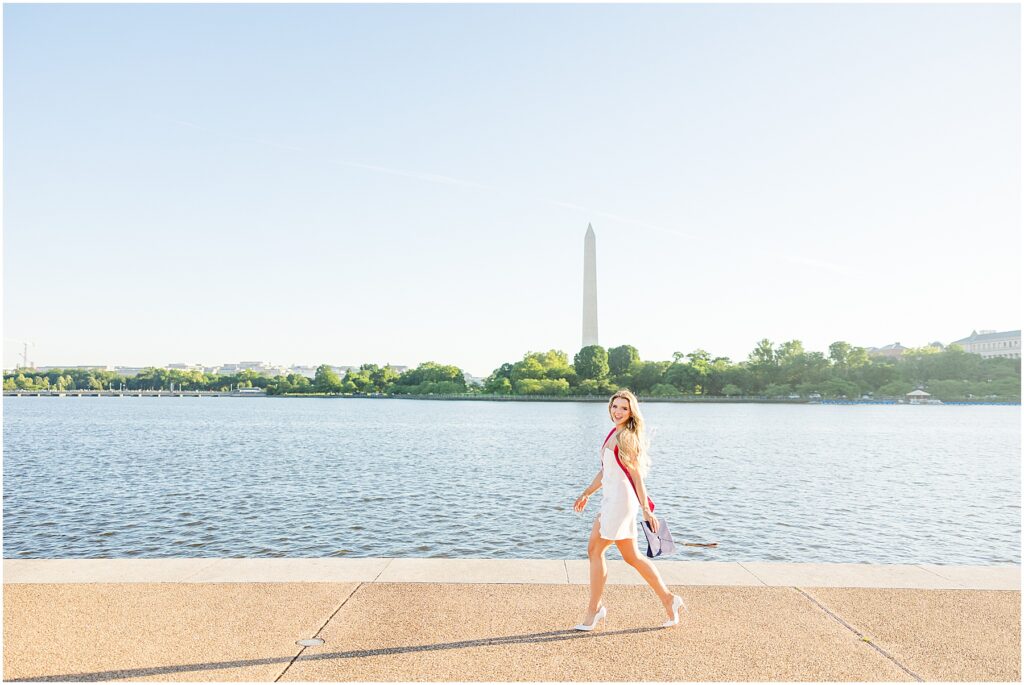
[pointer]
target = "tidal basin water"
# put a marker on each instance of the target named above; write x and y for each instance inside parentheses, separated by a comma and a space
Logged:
(286, 477)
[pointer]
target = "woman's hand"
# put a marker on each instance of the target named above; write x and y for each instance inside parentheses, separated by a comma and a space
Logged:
(651, 520)
(580, 503)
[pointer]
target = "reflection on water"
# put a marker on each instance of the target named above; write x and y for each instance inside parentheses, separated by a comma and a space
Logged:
(277, 477)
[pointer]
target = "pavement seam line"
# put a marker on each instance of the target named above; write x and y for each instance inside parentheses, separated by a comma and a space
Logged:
(320, 630)
(202, 568)
(960, 586)
(757, 577)
(862, 637)
(381, 572)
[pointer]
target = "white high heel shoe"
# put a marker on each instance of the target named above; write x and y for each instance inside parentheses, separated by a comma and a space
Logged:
(677, 604)
(601, 613)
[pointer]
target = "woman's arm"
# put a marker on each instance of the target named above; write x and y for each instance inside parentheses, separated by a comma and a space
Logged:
(641, 489)
(594, 486)
(641, 493)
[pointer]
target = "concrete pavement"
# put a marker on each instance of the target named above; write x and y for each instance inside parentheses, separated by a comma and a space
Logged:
(480, 620)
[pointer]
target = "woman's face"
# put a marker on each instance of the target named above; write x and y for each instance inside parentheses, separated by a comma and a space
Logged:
(620, 410)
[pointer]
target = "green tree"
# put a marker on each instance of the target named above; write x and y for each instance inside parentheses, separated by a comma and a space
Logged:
(700, 362)
(500, 381)
(621, 358)
(777, 390)
(550, 365)
(681, 376)
(894, 389)
(431, 378)
(593, 387)
(663, 390)
(326, 380)
(591, 362)
(838, 387)
(498, 386)
(542, 386)
(530, 367)
(857, 357)
(763, 364)
(645, 375)
(789, 351)
(383, 377)
(716, 376)
(838, 352)
(763, 354)
(359, 380)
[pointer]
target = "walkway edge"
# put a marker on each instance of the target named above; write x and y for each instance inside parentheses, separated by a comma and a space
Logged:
(516, 571)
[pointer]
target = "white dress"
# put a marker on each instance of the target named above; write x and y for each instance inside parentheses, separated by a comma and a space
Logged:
(619, 505)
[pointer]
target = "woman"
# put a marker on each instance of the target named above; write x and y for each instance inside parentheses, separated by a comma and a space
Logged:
(616, 523)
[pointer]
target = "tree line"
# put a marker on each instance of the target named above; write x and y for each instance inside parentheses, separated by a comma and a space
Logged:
(769, 371)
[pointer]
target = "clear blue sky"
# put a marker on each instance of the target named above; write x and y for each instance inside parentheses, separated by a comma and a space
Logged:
(349, 184)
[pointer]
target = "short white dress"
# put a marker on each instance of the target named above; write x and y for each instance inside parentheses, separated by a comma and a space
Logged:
(619, 505)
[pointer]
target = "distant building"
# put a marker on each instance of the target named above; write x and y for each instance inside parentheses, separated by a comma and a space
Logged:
(262, 368)
(919, 396)
(992, 344)
(129, 371)
(307, 371)
(342, 370)
(72, 366)
(895, 351)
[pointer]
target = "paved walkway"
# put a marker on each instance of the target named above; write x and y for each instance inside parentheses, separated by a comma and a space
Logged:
(482, 620)
(556, 572)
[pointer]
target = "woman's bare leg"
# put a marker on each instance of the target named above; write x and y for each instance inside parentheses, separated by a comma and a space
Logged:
(598, 569)
(631, 555)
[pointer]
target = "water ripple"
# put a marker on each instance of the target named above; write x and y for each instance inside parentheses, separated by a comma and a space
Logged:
(233, 477)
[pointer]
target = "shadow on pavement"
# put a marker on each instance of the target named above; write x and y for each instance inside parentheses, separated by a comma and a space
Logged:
(551, 636)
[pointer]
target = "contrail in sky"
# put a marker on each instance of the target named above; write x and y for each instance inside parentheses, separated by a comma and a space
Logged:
(432, 178)
(840, 269)
(447, 180)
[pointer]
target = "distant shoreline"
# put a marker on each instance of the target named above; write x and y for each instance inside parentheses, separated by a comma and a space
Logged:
(493, 398)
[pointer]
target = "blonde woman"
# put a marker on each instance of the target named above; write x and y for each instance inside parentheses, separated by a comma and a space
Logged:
(616, 523)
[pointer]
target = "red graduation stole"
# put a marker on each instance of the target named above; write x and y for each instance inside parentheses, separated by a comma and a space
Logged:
(626, 471)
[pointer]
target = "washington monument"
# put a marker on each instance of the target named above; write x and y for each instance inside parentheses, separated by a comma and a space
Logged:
(589, 288)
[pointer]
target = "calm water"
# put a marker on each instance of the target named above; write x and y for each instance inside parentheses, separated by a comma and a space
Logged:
(248, 477)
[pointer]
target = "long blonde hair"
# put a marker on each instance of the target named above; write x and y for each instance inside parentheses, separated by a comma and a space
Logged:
(633, 441)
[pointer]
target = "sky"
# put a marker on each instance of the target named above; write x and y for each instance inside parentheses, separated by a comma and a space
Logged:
(342, 184)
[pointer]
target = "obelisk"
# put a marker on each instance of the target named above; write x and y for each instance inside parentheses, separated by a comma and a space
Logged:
(589, 288)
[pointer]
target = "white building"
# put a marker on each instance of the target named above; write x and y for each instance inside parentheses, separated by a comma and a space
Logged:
(307, 371)
(262, 368)
(185, 367)
(895, 351)
(992, 344)
(129, 371)
(342, 370)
